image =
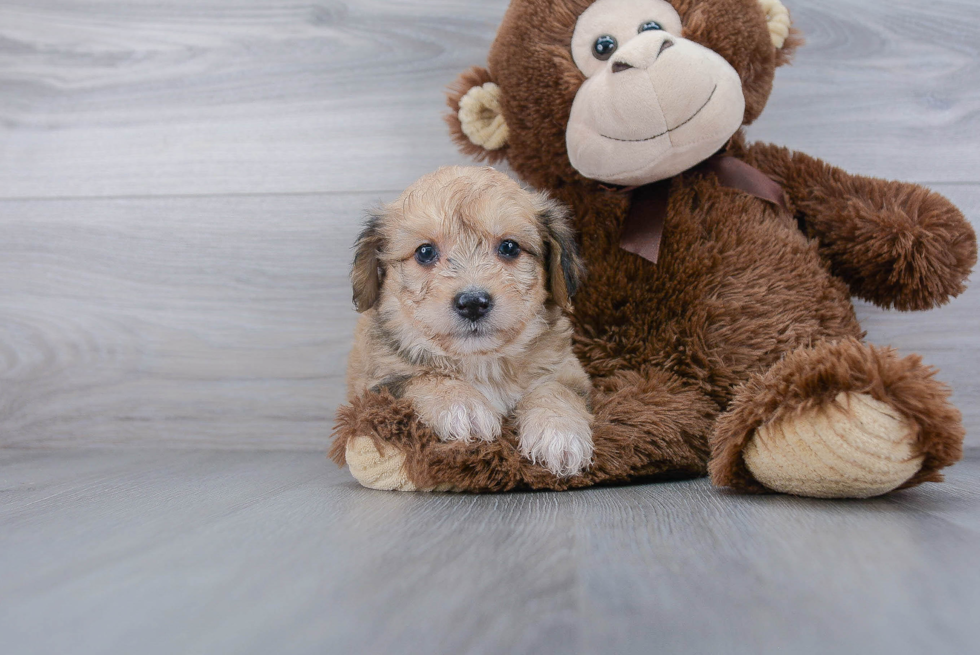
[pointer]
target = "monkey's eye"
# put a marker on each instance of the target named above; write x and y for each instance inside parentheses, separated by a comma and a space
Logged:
(649, 26)
(509, 249)
(604, 47)
(426, 254)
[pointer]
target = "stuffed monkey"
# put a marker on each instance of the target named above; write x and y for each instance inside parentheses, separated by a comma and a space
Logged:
(716, 320)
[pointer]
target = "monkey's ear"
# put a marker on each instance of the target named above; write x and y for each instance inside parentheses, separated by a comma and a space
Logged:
(476, 120)
(785, 38)
(366, 273)
(565, 269)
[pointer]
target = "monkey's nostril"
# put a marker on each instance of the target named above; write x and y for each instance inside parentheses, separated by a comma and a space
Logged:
(473, 305)
(620, 66)
(666, 44)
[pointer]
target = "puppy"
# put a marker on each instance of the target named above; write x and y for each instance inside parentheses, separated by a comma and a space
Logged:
(462, 283)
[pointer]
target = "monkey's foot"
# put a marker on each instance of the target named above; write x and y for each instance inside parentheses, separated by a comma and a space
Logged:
(837, 420)
(854, 447)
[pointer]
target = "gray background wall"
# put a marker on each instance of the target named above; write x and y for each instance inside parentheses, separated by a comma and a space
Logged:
(181, 180)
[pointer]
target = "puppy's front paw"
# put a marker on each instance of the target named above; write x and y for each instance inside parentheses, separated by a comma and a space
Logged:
(563, 444)
(462, 419)
(454, 410)
(465, 421)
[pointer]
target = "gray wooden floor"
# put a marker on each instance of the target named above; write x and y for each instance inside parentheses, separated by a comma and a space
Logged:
(146, 551)
(180, 183)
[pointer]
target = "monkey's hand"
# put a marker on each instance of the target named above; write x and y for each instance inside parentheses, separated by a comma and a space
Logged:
(895, 244)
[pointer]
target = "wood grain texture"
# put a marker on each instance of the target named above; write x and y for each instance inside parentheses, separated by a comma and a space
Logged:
(229, 96)
(226, 321)
(215, 321)
(883, 88)
(105, 551)
(180, 184)
(181, 180)
(248, 96)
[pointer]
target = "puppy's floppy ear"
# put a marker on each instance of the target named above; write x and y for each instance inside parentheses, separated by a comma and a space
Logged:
(565, 268)
(366, 273)
(476, 120)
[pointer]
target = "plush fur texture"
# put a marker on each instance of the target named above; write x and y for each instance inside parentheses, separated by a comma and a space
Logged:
(744, 316)
(475, 76)
(895, 244)
(673, 419)
(811, 377)
(467, 367)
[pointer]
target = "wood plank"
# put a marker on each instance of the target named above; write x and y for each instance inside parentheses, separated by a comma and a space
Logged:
(242, 96)
(187, 321)
(719, 573)
(226, 322)
(883, 88)
(229, 96)
(261, 552)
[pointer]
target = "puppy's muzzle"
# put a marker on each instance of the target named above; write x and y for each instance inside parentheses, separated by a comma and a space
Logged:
(473, 305)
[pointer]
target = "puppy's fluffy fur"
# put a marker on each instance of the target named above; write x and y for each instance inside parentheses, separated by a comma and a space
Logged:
(467, 364)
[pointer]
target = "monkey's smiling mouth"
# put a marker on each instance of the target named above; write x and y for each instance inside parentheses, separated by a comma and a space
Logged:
(657, 136)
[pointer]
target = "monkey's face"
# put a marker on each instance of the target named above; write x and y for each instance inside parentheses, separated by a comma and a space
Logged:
(653, 103)
(620, 91)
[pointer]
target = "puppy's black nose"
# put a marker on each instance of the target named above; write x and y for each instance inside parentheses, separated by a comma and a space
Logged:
(473, 305)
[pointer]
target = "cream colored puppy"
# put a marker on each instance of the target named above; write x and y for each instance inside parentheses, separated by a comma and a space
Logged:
(462, 282)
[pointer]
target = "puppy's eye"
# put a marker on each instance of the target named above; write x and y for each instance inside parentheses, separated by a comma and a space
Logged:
(649, 26)
(509, 249)
(604, 47)
(426, 254)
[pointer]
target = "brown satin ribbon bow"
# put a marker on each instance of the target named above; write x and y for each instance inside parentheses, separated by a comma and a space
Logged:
(644, 227)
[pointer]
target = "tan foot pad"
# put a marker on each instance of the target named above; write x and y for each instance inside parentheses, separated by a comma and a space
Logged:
(383, 470)
(856, 447)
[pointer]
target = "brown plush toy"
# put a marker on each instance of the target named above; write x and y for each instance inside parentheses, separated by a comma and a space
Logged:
(716, 320)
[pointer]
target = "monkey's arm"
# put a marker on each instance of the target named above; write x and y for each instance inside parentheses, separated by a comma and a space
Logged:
(895, 244)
